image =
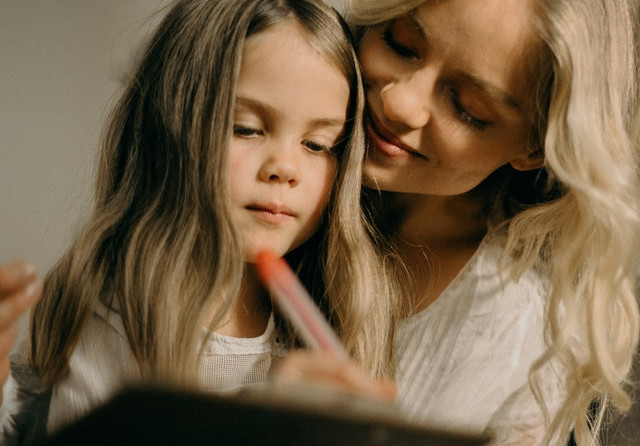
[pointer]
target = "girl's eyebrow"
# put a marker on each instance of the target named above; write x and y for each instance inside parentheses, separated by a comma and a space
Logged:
(260, 107)
(268, 111)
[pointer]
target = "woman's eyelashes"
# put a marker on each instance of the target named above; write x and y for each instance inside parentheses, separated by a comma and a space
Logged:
(406, 51)
(400, 49)
(464, 115)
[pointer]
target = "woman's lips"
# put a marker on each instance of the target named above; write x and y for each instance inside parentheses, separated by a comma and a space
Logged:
(387, 144)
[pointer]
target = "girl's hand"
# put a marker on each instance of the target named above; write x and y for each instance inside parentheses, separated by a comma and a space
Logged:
(325, 369)
(20, 289)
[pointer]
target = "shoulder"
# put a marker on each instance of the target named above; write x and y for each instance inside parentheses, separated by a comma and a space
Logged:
(25, 407)
(100, 365)
(495, 279)
(103, 350)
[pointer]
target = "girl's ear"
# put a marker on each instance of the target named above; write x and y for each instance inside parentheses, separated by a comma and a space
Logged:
(532, 160)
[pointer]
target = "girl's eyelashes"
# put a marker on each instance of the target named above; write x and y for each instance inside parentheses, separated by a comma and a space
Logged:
(398, 48)
(313, 146)
(239, 130)
(466, 117)
(317, 147)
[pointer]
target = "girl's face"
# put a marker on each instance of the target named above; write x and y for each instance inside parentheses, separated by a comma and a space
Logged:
(290, 112)
(448, 95)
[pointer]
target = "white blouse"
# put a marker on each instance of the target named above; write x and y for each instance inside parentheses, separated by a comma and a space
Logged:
(464, 360)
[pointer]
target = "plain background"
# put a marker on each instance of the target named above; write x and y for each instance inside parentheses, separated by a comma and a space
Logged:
(61, 66)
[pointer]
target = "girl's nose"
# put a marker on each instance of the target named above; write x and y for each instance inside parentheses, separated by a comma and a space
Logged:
(403, 103)
(280, 167)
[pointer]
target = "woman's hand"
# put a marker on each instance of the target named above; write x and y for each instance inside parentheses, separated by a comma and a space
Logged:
(324, 369)
(19, 290)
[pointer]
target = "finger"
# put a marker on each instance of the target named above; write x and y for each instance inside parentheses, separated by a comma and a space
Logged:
(299, 364)
(4, 372)
(14, 305)
(342, 374)
(16, 275)
(8, 337)
(356, 380)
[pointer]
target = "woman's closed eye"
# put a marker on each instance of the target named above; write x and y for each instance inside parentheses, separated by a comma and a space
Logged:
(464, 115)
(397, 47)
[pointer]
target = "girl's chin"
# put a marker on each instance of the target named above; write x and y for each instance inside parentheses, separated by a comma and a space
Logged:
(251, 254)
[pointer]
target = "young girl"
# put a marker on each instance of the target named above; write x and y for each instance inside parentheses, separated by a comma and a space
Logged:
(240, 129)
(504, 138)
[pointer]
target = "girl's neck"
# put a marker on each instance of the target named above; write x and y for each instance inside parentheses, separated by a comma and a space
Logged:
(249, 315)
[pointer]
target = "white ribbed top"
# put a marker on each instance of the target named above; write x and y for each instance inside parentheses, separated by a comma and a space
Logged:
(103, 363)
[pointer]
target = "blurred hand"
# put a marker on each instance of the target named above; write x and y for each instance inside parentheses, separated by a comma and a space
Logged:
(20, 289)
(325, 369)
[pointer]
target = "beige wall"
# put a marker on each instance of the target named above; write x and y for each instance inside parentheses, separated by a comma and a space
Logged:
(60, 64)
(60, 61)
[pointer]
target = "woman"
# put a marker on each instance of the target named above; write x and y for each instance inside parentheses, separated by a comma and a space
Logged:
(504, 143)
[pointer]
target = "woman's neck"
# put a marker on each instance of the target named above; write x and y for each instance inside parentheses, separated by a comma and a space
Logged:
(437, 221)
(249, 314)
(436, 238)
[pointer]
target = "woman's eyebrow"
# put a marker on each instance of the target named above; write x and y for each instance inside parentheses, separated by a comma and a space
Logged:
(417, 24)
(493, 91)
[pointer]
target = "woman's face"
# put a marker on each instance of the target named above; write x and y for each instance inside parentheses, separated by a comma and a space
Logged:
(449, 95)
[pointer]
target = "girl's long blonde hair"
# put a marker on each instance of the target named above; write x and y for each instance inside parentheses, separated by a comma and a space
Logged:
(159, 247)
(580, 220)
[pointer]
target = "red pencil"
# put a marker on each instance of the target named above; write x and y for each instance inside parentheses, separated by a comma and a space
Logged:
(296, 304)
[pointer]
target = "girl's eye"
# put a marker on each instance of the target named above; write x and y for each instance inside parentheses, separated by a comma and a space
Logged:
(465, 116)
(316, 147)
(246, 132)
(398, 48)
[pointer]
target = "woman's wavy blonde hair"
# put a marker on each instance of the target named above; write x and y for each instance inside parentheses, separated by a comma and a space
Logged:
(583, 224)
(160, 248)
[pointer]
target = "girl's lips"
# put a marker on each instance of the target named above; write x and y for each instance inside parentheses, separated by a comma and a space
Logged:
(271, 213)
(387, 144)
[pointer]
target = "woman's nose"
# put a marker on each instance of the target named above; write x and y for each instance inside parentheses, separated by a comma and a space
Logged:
(403, 103)
(280, 166)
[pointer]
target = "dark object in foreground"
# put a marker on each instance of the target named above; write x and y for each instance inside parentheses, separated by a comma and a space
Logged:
(163, 417)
